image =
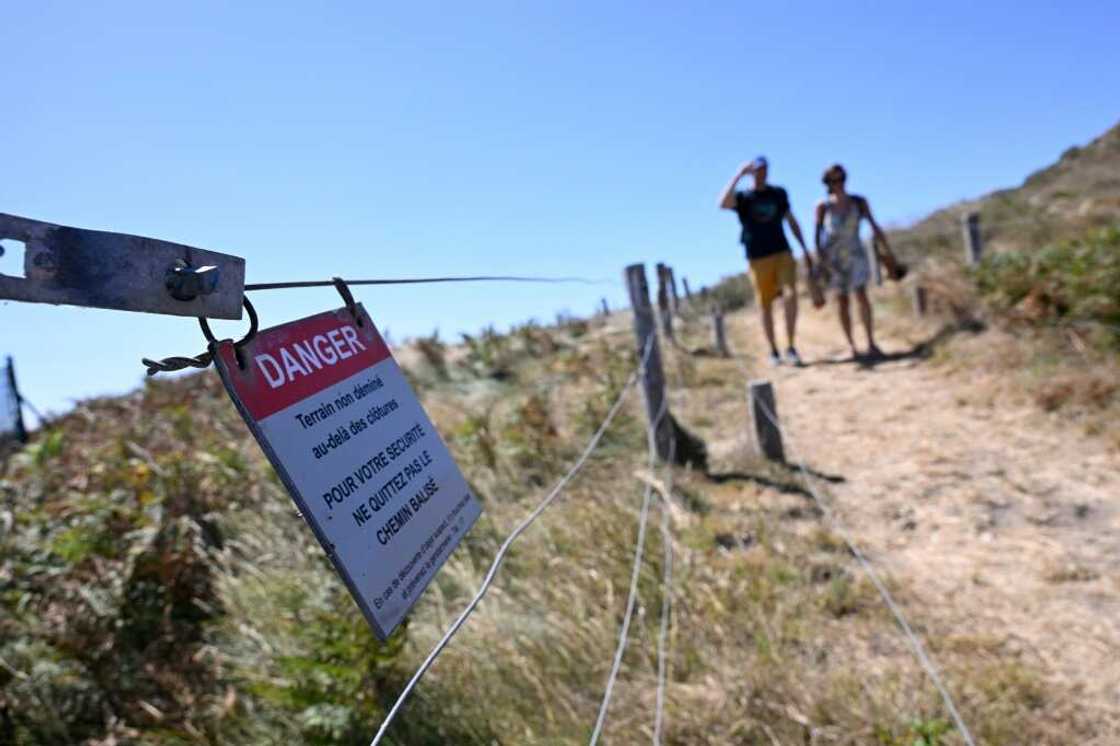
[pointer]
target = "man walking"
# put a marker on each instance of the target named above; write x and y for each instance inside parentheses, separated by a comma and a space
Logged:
(761, 211)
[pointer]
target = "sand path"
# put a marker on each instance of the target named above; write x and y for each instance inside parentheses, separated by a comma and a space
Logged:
(1003, 522)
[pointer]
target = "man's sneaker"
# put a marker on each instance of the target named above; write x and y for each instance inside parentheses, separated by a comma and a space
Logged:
(775, 359)
(793, 358)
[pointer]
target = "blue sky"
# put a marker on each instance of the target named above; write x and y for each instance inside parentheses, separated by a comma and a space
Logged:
(379, 140)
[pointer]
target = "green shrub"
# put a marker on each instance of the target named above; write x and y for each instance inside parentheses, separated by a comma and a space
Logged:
(732, 292)
(1075, 282)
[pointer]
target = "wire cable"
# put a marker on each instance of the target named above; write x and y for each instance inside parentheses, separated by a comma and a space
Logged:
(915, 643)
(425, 280)
(504, 549)
(34, 410)
(624, 632)
(635, 574)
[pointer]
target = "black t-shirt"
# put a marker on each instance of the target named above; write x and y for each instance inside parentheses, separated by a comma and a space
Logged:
(761, 212)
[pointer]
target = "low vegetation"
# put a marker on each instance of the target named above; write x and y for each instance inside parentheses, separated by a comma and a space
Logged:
(1074, 284)
(157, 586)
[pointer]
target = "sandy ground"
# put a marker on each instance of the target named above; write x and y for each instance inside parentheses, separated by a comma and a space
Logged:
(1002, 522)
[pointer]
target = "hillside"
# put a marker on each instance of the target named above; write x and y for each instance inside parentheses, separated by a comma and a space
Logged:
(1067, 199)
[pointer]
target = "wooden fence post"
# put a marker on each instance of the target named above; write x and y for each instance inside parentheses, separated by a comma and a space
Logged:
(973, 246)
(764, 416)
(674, 299)
(687, 289)
(919, 301)
(719, 337)
(653, 382)
(605, 308)
(664, 310)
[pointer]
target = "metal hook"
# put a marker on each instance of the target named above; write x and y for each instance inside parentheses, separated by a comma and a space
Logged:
(204, 359)
(347, 298)
(253, 322)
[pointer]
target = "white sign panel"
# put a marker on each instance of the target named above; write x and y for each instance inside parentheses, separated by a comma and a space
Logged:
(351, 442)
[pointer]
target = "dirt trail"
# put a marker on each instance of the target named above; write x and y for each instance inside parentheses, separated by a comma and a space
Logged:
(1003, 522)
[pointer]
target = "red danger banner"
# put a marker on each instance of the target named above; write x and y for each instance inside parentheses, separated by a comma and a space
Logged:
(370, 474)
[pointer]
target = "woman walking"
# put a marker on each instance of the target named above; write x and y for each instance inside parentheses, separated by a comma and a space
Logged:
(843, 254)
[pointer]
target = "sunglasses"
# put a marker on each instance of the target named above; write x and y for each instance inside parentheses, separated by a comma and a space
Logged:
(833, 180)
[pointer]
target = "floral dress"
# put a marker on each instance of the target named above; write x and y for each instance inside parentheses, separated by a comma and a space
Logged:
(843, 253)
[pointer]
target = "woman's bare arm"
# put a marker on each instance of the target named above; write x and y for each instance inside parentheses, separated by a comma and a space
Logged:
(878, 232)
(819, 231)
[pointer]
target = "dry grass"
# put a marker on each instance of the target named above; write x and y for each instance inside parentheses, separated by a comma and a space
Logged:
(776, 635)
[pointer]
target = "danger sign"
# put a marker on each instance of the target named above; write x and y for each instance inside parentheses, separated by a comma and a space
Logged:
(348, 437)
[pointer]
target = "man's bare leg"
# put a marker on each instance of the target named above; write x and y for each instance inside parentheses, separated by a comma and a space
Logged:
(843, 303)
(766, 310)
(790, 300)
(865, 317)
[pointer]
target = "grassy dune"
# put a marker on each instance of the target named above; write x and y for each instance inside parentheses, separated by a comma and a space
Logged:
(158, 587)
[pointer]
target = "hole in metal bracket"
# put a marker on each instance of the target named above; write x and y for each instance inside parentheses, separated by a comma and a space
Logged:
(11, 257)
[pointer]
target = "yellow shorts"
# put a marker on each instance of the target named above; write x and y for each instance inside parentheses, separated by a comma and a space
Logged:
(772, 274)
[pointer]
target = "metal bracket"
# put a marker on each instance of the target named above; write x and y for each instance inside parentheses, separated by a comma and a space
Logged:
(79, 267)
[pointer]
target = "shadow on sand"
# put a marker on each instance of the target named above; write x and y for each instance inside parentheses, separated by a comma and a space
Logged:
(920, 351)
(791, 487)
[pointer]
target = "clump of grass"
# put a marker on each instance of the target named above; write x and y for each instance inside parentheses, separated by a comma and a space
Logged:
(845, 596)
(1082, 388)
(1014, 694)
(46, 448)
(827, 541)
(531, 438)
(951, 292)
(919, 732)
(477, 437)
(572, 325)
(1070, 572)
(489, 355)
(535, 339)
(434, 352)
